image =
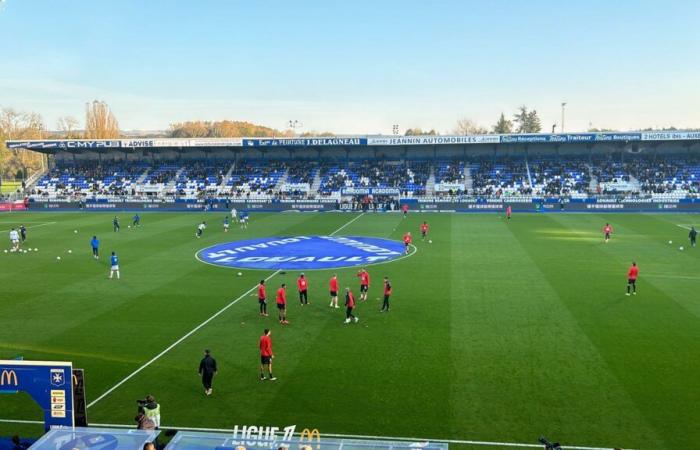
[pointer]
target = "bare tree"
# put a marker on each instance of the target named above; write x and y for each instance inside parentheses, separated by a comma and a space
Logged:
(100, 123)
(468, 126)
(68, 126)
(19, 125)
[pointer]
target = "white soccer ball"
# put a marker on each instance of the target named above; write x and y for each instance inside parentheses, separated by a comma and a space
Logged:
(58, 258)
(75, 231)
(430, 241)
(24, 251)
(128, 226)
(36, 249)
(680, 248)
(240, 274)
(70, 251)
(29, 249)
(5, 251)
(670, 242)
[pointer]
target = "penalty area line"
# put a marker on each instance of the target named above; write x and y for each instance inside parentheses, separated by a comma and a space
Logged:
(195, 329)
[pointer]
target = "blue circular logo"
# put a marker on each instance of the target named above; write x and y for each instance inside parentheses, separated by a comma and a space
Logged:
(302, 252)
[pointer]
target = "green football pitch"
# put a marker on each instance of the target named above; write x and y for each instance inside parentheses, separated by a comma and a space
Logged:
(499, 331)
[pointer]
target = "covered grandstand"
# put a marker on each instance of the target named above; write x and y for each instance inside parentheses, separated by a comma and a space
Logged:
(374, 171)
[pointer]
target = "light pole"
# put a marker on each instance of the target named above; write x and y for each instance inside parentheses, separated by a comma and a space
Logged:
(294, 124)
(395, 129)
(563, 111)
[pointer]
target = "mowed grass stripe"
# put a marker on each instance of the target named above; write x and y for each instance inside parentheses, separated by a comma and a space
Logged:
(631, 333)
(524, 353)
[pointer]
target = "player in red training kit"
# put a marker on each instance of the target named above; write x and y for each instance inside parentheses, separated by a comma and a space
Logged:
(607, 230)
(266, 355)
(509, 211)
(363, 275)
(262, 298)
(282, 304)
(302, 286)
(407, 239)
(632, 274)
(424, 230)
(333, 288)
(404, 208)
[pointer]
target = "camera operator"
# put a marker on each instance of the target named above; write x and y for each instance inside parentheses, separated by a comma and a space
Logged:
(150, 409)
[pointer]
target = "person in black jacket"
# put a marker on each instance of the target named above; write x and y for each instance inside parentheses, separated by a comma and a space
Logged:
(207, 369)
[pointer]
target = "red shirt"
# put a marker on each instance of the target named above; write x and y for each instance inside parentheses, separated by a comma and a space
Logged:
(334, 284)
(261, 292)
(509, 210)
(407, 238)
(405, 208)
(364, 278)
(607, 229)
(281, 296)
(349, 300)
(633, 272)
(387, 288)
(424, 228)
(301, 284)
(265, 345)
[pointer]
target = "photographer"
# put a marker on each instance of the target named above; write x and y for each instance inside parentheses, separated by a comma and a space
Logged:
(150, 410)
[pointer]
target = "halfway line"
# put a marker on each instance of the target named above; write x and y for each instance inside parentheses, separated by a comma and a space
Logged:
(195, 329)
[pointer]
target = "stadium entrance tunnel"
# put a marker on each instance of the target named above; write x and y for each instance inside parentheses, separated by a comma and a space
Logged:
(302, 252)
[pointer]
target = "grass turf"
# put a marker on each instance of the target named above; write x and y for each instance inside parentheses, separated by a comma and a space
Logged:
(499, 331)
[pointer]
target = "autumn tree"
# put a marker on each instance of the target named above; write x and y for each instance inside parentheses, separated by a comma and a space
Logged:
(419, 132)
(68, 127)
(100, 123)
(19, 125)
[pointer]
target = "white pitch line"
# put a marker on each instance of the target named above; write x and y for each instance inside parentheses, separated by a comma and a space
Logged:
(43, 224)
(342, 436)
(683, 226)
(194, 330)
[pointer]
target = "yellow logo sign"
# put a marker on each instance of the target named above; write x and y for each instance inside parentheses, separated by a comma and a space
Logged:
(309, 434)
(8, 377)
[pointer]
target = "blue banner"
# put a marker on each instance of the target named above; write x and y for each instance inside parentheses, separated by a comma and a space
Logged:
(49, 383)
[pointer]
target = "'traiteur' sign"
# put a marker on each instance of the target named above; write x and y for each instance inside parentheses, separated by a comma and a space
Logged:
(302, 252)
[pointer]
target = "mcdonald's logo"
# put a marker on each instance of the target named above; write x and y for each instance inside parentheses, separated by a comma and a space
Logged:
(8, 377)
(309, 434)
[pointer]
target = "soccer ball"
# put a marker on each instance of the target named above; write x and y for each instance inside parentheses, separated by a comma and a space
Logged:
(680, 248)
(75, 231)
(36, 249)
(5, 251)
(128, 226)
(24, 251)
(430, 241)
(29, 249)
(240, 274)
(670, 242)
(70, 251)
(58, 258)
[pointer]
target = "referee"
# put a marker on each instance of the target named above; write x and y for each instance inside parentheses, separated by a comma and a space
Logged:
(207, 369)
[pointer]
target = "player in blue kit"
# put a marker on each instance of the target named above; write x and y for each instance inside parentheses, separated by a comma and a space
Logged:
(95, 244)
(114, 261)
(137, 220)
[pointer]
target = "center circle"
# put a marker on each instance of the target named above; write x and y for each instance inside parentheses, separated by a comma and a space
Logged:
(302, 252)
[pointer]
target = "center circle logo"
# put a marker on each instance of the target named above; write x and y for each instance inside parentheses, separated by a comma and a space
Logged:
(302, 252)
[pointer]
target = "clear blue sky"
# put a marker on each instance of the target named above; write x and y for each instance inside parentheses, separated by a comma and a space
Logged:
(354, 66)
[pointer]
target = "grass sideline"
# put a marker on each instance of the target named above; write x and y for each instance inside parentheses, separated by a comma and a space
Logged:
(499, 331)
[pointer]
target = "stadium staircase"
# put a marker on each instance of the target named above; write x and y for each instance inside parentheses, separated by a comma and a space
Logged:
(142, 178)
(281, 181)
(316, 183)
(593, 185)
(172, 184)
(227, 177)
(635, 185)
(430, 183)
(529, 176)
(468, 180)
